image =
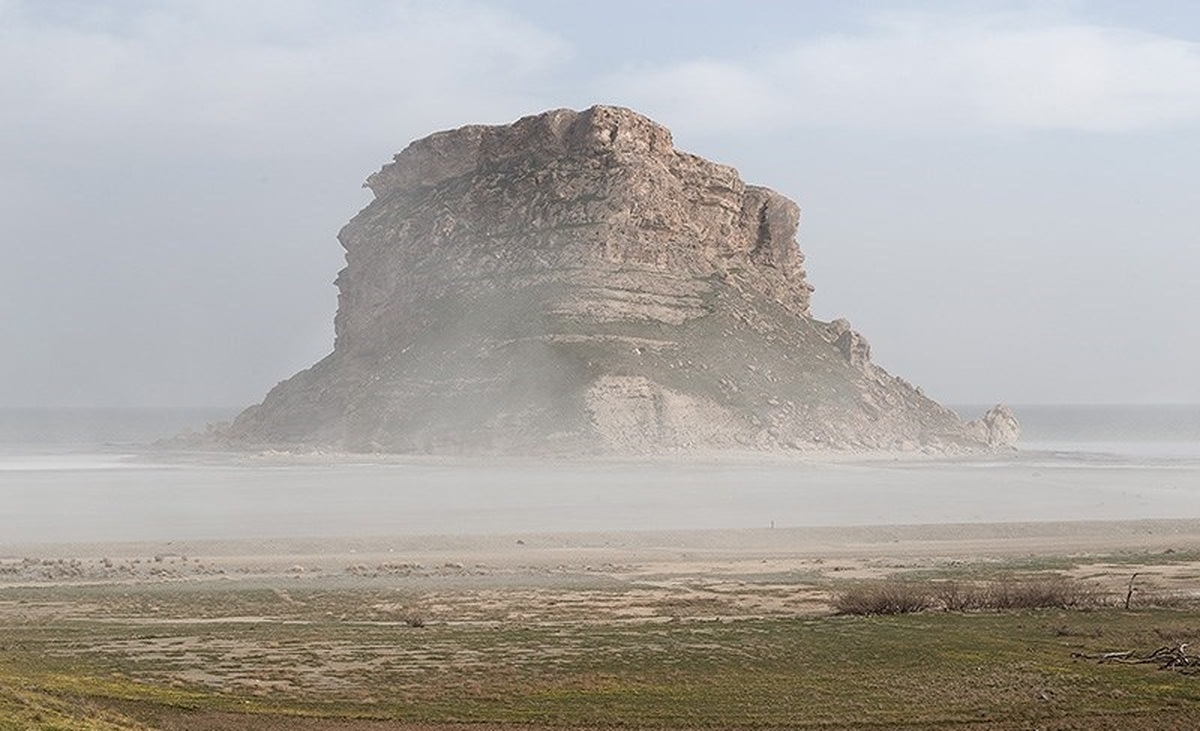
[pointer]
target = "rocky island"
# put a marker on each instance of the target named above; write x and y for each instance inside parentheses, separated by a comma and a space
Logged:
(571, 284)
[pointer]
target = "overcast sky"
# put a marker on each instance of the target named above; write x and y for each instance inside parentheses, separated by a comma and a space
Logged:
(1003, 197)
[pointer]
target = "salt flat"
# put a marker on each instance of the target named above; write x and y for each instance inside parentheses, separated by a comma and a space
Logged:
(134, 498)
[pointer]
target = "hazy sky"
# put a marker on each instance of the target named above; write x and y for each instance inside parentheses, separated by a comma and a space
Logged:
(1003, 197)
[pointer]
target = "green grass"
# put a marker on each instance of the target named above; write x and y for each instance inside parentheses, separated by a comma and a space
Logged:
(981, 570)
(23, 708)
(804, 673)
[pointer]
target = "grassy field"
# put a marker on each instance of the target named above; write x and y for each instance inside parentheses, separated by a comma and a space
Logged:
(97, 658)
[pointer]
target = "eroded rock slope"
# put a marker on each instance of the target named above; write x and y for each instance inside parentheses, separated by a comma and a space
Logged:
(572, 284)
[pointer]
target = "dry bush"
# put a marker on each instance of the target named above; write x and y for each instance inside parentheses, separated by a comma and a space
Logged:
(1164, 599)
(883, 597)
(896, 597)
(1055, 592)
(955, 597)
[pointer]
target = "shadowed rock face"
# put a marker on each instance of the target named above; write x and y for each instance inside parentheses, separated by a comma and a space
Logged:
(573, 284)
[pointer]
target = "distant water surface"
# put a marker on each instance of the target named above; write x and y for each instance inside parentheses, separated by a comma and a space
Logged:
(41, 430)
(1127, 433)
(80, 476)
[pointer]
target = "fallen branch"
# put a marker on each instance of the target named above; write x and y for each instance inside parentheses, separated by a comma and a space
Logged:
(1166, 658)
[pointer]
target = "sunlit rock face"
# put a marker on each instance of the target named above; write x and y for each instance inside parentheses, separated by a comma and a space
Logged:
(572, 284)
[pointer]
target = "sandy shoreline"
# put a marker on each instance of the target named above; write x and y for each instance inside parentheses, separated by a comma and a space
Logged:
(564, 557)
(984, 538)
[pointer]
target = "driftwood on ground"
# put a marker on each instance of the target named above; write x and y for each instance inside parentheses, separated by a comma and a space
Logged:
(1166, 657)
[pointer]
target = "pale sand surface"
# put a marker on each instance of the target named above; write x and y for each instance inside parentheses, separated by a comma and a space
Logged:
(925, 540)
(626, 574)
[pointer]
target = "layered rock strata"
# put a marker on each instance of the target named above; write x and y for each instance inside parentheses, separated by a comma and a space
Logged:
(572, 284)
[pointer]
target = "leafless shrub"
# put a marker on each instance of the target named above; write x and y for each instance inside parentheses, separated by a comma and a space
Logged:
(1053, 592)
(896, 597)
(1165, 599)
(955, 597)
(884, 597)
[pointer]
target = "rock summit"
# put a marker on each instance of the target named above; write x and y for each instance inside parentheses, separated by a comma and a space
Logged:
(572, 284)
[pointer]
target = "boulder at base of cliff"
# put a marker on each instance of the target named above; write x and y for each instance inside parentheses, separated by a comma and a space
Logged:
(999, 427)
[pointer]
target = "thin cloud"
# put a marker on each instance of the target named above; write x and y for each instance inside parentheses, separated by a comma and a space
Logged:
(939, 74)
(232, 74)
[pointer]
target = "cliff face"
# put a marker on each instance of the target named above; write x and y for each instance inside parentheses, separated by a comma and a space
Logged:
(572, 284)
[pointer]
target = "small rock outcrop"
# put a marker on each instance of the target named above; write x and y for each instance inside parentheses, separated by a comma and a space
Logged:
(998, 428)
(572, 284)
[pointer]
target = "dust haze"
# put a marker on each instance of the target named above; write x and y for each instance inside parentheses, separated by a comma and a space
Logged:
(1001, 197)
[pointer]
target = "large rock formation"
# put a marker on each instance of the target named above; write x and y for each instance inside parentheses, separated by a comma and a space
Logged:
(573, 284)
